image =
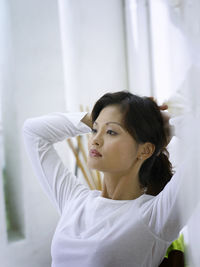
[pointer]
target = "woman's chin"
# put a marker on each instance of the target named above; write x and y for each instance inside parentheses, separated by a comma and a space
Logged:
(90, 164)
(93, 165)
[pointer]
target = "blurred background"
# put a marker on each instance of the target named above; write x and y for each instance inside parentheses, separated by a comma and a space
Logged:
(58, 55)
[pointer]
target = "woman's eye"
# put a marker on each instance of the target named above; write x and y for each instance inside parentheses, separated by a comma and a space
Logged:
(94, 130)
(111, 132)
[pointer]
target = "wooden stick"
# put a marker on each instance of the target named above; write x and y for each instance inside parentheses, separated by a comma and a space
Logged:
(99, 180)
(80, 145)
(79, 163)
(82, 149)
(81, 108)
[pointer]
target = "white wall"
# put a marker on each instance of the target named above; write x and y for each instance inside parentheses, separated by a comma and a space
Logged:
(138, 47)
(94, 49)
(32, 85)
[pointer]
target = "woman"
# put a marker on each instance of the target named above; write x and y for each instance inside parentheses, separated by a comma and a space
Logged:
(135, 218)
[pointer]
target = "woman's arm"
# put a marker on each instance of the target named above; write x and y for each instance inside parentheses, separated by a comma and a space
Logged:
(40, 134)
(162, 213)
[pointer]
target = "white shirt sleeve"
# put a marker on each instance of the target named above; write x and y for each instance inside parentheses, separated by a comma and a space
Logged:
(162, 213)
(40, 134)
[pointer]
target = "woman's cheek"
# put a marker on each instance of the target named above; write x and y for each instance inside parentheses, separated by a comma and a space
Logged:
(89, 142)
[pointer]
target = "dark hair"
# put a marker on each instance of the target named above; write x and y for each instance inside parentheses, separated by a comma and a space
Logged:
(143, 120)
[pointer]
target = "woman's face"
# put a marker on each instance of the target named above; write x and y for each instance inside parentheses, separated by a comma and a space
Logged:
(117, 147)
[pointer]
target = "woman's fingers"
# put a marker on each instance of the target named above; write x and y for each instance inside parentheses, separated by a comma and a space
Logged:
(166, 117)
(168, 128)
(163, 107)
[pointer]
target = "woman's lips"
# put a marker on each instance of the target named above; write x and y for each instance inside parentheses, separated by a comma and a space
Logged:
(94, 153)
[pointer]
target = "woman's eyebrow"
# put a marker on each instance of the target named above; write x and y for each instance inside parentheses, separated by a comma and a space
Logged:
(111, 122)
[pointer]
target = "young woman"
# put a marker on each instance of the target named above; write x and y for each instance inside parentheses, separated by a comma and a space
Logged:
(132, 222)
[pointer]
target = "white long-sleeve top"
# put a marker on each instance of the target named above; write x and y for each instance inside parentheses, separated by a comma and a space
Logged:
(94, 231)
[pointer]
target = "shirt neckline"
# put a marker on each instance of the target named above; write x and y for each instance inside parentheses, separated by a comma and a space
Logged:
(117, 201)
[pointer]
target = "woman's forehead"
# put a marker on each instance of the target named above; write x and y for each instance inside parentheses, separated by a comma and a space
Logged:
(110, 113)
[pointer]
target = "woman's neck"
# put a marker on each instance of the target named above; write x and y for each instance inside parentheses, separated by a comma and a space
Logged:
(121, 187)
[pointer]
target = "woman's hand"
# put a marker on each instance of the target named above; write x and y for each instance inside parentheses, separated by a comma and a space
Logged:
(87, 120)
(169, 129)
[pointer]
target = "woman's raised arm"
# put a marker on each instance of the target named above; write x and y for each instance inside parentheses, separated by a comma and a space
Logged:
(40, 134)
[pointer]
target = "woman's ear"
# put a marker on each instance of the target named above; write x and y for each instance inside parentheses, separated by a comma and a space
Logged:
(147, 150)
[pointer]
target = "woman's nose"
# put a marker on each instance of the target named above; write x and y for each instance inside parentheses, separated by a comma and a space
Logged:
(97, 140)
